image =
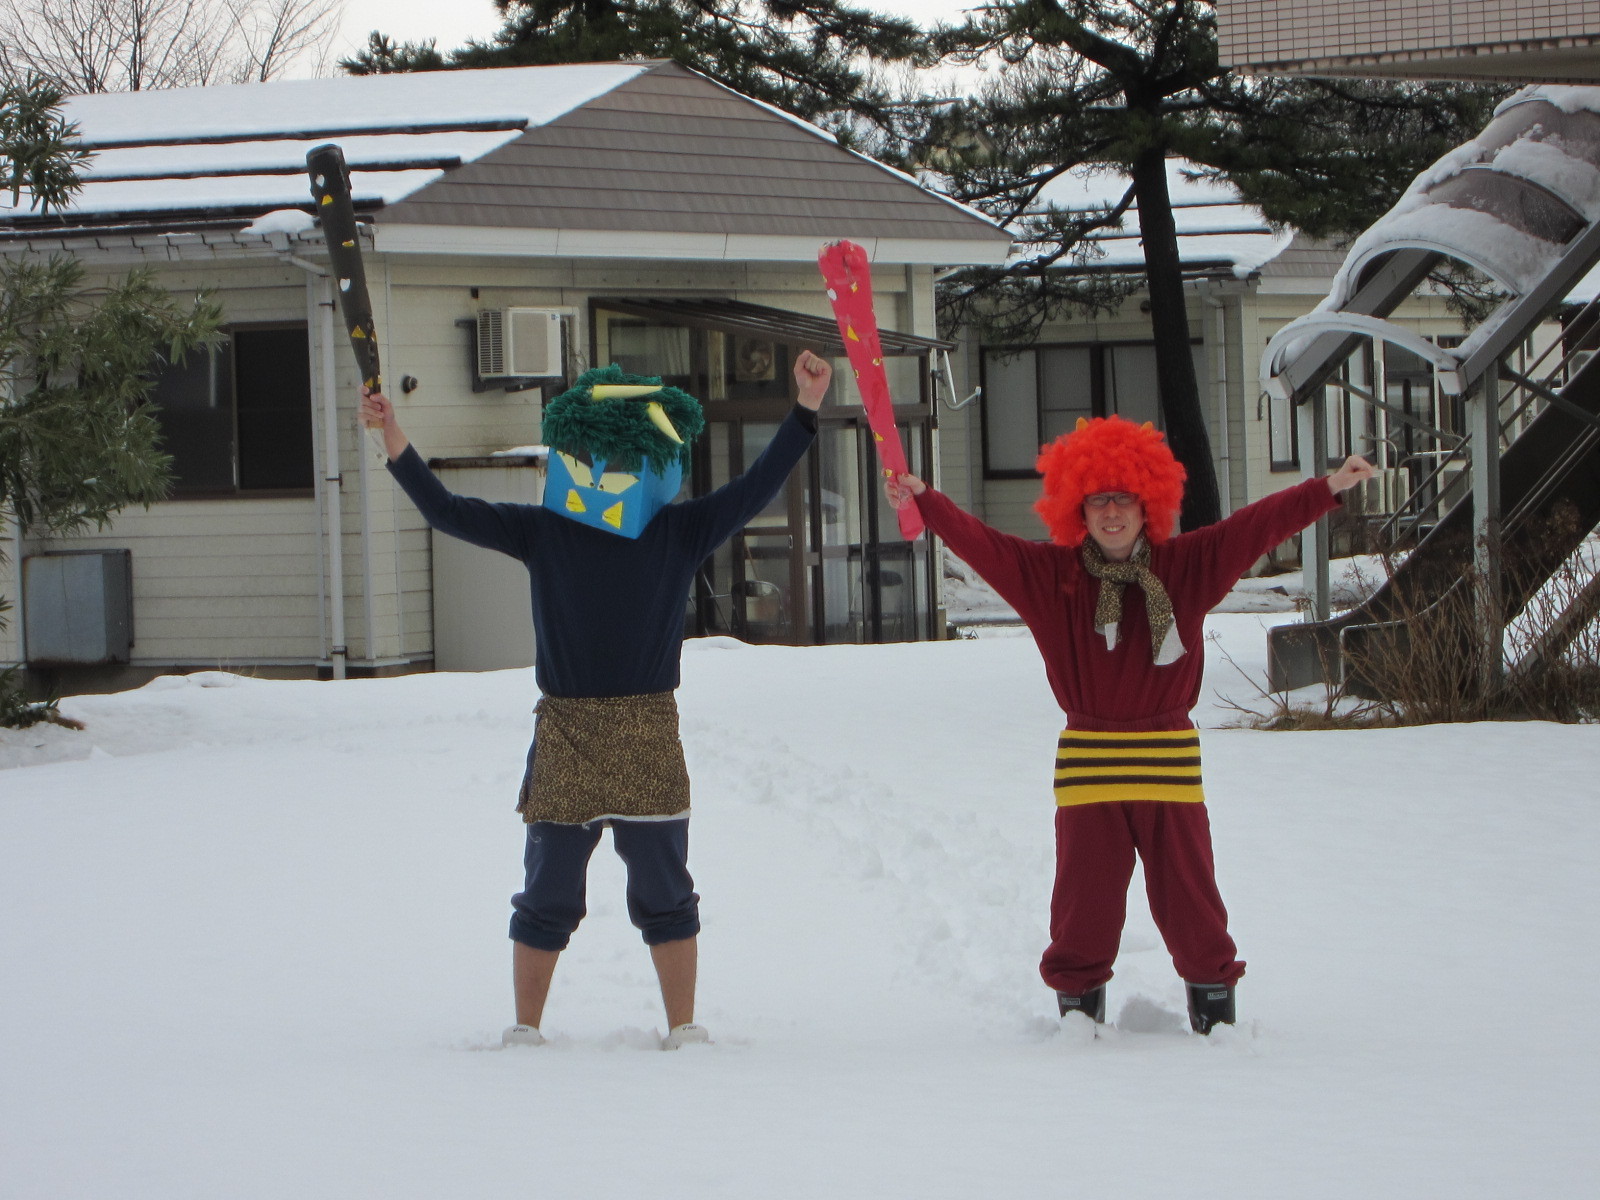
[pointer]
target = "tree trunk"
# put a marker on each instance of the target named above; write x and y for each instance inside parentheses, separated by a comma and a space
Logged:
(1169, 323)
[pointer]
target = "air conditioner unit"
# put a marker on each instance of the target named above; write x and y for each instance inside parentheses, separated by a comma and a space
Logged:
(519, 343)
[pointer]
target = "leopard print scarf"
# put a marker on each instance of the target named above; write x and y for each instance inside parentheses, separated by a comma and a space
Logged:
(1165, 645)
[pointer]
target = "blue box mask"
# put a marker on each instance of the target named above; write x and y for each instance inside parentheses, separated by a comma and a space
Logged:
(621, 501)
(619, 444)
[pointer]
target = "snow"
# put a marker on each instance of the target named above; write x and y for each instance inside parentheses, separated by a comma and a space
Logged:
(1213, 223)
(282, 220)
(1548, 164)
(1515, 259)
(158, 162)
(537, 95)
(1245, 252)
(232, 191)
(1098, 185)
(1569, 98)
(244, 124)
(255, 947)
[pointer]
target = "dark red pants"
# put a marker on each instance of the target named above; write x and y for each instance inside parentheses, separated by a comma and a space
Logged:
(1095, 848)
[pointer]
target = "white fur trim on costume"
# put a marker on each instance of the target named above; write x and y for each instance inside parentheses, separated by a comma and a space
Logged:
(1172, 648)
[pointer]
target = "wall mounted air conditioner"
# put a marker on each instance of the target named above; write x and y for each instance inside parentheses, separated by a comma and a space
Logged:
(519, 343)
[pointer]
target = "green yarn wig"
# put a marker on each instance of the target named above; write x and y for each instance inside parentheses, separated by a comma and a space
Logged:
(620, 432)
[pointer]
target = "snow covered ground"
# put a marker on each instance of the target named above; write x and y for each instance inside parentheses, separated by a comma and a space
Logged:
(252, 945)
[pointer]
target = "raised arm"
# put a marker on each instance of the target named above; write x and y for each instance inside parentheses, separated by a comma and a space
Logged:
(1221, 553)
(719, 515)
(1002, 559)
(480, 522)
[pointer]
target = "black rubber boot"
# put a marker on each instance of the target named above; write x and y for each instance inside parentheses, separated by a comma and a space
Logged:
(1210, 1004)
(1092, 1004)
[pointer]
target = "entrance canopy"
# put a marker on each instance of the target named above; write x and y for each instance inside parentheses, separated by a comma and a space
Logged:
(771, 324)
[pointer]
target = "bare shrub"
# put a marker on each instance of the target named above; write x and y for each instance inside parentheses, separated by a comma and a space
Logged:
(1427, 662)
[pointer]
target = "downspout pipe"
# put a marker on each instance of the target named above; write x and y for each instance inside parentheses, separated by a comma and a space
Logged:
(1219, 311)
(333, 480)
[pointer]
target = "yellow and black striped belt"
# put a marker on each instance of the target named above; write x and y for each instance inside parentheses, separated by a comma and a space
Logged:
(1104, 768)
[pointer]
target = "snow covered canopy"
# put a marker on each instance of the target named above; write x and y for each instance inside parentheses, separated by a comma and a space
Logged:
(1519, 203)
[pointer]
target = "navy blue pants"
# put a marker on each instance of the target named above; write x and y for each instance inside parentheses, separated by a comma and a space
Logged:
(662, 903)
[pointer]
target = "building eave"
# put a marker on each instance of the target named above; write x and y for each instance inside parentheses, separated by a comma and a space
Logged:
(468, 241)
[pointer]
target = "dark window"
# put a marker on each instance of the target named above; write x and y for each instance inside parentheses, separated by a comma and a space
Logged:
(237, 418)
(1033, 396)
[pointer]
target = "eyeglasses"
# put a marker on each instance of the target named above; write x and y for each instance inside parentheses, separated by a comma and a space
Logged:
(1101, 499)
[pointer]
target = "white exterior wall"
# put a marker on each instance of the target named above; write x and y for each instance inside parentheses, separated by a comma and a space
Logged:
(241, 583)
(219, 582)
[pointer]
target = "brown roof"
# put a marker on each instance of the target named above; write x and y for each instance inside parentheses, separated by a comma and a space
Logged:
(672, 152)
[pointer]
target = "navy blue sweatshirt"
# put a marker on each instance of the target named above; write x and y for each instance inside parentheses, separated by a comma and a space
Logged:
(608, 610)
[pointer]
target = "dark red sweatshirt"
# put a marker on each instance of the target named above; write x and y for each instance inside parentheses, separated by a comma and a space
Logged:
(1123, 689)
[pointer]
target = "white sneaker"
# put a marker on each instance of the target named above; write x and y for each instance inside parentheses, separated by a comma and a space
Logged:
(686, 1035)
(521, 1035)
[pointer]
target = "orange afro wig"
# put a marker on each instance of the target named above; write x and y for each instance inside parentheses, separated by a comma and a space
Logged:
(1109, 454)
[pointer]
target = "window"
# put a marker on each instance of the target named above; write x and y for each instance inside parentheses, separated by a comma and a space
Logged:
(1033, 396)
(1282, 434)
(237, 418)
(1348, 415)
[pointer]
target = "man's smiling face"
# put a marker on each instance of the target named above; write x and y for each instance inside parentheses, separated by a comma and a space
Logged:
(1114, 521)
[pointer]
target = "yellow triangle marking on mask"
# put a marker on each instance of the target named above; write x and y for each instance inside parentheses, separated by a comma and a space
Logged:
(613, 516)
(575, 502)
(850, 332)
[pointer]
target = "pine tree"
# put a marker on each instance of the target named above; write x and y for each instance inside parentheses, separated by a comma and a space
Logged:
(1124, 84)
(813, 58)
(78, 440)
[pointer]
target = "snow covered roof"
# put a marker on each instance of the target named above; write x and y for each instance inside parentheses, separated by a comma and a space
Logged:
(243, 146)
(1216, 229)
(638, 159)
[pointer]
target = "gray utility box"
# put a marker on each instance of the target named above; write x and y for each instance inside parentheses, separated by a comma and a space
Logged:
(77, 607)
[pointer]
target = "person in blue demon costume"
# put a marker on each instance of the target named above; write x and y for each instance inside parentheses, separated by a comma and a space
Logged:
(610, 560)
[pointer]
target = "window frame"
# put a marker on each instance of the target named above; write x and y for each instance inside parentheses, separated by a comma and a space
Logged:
(229, 349)
(1098, 351)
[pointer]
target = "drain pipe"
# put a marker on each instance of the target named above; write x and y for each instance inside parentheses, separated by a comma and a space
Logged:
(333, 480)
(338, 650)
(1220, 383)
